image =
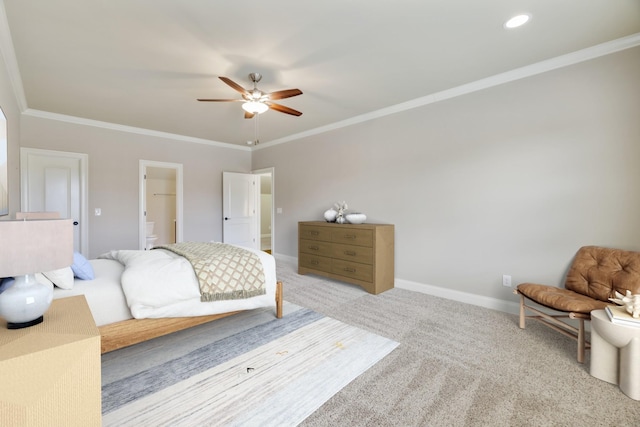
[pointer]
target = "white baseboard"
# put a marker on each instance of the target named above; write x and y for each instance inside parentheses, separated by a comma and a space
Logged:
(465, 297)
(487, 302)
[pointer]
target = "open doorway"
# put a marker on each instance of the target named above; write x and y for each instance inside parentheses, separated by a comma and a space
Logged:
(160, 203)
(266, 205)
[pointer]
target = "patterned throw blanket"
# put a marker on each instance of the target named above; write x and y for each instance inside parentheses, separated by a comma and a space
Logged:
(225, 272)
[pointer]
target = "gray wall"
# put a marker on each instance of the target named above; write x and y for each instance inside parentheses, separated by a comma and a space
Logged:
(113, 177)
(507, 180)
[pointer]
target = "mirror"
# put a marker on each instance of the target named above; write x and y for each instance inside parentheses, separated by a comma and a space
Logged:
(4, 184)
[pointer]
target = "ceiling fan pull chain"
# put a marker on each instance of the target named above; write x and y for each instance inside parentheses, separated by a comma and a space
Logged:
(257, 141)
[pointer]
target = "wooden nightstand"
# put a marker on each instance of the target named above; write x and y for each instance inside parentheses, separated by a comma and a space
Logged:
(50, 373)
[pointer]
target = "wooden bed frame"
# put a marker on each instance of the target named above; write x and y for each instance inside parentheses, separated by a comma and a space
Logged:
(133, 331)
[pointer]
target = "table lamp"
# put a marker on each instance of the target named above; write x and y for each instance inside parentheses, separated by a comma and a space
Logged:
(26, 248)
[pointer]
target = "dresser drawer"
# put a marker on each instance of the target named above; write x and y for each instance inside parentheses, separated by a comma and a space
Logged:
(315, 262)
(354, 270)
(353, 253)
(315, 233)
(351, 236)
(315, 247)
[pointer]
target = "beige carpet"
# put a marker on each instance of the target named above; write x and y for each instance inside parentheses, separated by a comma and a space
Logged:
(457, 365)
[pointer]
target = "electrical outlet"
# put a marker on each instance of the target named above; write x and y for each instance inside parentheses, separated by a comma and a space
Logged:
(506, 280)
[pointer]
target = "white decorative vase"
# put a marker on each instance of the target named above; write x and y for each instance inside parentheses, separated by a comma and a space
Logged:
(356, 218)
(24, 303)
(341, 220)
(330, 215)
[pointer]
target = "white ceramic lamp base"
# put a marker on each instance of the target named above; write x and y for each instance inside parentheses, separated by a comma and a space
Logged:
(24, 303)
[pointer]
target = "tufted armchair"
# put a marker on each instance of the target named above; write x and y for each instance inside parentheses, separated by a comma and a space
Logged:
(594, 276)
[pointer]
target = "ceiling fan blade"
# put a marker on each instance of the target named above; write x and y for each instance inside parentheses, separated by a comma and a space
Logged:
(248, 115)
(221, 100)
(283, 109)
(234, 85)
(281, 94)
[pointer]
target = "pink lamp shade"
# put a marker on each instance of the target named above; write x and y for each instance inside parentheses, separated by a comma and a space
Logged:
(26, 248)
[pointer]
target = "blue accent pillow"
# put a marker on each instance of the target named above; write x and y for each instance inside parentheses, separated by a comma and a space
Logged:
(81, 267)
(6, 283)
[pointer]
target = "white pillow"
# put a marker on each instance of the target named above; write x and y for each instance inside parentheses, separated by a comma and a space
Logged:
(62, 278)
(42, 279)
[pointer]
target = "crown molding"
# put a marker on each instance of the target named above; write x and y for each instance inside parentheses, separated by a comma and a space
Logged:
(128, 129)
(496, 80)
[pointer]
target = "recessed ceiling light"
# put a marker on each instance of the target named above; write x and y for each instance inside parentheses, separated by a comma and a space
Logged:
(517, 21)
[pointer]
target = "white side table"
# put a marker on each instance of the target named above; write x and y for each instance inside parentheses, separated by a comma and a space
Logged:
(615, 353)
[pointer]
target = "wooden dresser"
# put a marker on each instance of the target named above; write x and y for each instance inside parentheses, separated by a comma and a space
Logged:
(361, 254)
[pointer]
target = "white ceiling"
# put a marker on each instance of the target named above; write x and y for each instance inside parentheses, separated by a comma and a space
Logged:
(143, 63)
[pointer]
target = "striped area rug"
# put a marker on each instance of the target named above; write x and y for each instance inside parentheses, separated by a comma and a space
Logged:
(250, 369)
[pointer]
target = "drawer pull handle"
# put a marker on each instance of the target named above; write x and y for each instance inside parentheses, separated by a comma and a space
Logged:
(314, 248)
(350, 236)
(350, 270)
(314, 233)
(350, 253)
(315, 262)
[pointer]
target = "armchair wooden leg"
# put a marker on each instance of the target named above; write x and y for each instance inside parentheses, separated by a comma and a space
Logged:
(581, 341)
(522, 312)
(553, 321)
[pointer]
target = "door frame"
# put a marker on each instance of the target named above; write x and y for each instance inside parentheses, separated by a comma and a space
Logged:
(142, 197)
(83, 158)
(268, 171)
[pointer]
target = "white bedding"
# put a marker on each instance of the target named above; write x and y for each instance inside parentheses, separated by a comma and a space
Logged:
(104, 293)
(156, 283)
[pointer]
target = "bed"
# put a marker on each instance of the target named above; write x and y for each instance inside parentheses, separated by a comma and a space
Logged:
(133, 296)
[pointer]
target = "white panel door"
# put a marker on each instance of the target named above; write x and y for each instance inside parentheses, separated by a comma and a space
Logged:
(239, 207)
(52, 182)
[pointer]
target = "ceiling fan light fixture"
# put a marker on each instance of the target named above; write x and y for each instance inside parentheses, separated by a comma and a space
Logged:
(254, 101)
(255, 107)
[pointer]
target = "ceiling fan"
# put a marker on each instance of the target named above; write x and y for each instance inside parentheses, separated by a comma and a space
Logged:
(256, 101)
